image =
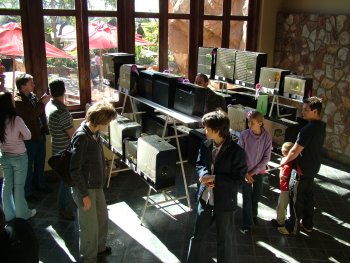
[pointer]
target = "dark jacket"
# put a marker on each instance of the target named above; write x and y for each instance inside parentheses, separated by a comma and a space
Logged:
(230, 168)
(87, 165)
(30, 114)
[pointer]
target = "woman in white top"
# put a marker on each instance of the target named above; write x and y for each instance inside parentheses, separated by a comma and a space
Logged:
(13, 160)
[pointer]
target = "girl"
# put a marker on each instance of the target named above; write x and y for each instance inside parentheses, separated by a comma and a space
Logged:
(257, 143)
(13, 159)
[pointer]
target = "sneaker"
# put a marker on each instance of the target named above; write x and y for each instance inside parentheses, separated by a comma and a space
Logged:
(245, 230)
(66, 214)
(275, 223)
(308, 230)
(106, 252)
(283, 230)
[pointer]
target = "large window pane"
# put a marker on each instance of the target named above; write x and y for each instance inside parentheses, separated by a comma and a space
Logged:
(11, 50)
(61, 54)
(238, 34)
(212, 33)
(213, 7)
(179, 7)
(59, 4)
(178, 46)
(239, 7)
(149, 6)
(103, 5)
(9, 4)
(103, 38)
(147, 42)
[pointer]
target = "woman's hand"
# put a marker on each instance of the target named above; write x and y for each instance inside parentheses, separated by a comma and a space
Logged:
(207, 180)
(87, 203)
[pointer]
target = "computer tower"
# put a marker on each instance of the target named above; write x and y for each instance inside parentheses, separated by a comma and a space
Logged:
(111, 66)
(121, 129)
(248, 65)
(238, 118)
(207, 61)
(129, 77)
(225, 64)
(297, 87)
(144, 87)
(279, 128)
(156, 161)
(131, 150)
(190, 99)
(272, 80)
(163, 88)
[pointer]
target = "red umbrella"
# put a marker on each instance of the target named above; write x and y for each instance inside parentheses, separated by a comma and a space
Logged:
(11, 43)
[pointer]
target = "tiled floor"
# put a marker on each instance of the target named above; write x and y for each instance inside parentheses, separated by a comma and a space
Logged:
(166, 231)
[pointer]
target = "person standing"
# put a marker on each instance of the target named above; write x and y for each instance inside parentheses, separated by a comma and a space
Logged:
(257, 143)
(87, 169)
(32, 111)
(221, 168)
(13, 160)
(306, 152)
(60, 123)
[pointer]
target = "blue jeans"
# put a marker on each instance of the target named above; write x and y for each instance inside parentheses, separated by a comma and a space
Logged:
(15, 173)
(36, 150)
(251, 196)
(64, 196)
(206, 215)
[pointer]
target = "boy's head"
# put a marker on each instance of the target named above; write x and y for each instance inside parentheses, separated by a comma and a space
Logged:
(312, 108)
(286, 148)
(217, 121)
(25, 83)
(57, 88)
(202, 80)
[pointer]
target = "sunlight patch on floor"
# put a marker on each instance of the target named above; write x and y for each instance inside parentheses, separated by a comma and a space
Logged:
(276, 252)
(124, 217)
(60, 242)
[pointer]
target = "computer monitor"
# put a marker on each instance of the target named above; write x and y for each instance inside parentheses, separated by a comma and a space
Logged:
(145, 84)
(225, 64)
(163, 88)
(207, 61)
(272, 80)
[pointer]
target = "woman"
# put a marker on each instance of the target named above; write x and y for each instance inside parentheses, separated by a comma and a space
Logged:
(13, 160)
(257, 143)
(87, 168)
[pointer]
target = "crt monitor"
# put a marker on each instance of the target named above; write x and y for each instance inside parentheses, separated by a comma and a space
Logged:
(225, 64)
(145, 84)
(163, 88)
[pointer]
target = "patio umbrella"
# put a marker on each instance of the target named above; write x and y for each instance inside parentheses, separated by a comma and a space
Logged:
(11, 44)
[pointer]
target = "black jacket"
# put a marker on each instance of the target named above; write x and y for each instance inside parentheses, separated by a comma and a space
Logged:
(230, 168)
(87, 165)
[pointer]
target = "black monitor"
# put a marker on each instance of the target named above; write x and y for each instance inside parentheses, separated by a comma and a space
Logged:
(190, 99)
(145, 84)
(129, 77)
(111, 66)
(163, 88)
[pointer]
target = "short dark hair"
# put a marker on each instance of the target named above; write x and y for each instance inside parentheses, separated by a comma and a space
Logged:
(101, 113)
(218, 121)
(22, 80)
(205, 77)
(57, 88)
(315, 103)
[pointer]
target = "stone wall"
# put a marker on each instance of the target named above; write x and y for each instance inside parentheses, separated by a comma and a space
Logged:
(318, 46)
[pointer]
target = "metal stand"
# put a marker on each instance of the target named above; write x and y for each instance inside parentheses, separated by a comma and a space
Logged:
(275, 101)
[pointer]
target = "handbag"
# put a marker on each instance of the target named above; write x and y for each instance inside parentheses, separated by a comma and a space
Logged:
(60, 163)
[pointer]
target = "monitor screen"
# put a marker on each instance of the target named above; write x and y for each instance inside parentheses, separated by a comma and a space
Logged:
(225, 64)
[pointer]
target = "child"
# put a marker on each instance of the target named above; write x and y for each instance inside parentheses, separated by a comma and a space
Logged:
(283, 198)
(257, 143)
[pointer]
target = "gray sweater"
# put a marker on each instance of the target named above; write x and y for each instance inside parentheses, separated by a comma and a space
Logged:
(87, 166)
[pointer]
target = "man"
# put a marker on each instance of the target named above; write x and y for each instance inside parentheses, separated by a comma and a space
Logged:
(32, 111)
(221, 168)
(213, 100)
(60, 123)
(307, 155)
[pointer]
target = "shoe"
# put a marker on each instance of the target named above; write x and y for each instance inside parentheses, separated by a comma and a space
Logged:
(255, 220)
(106, 252)
(308, 230)
(66, 214)
(245, 230)
(283, 230)
(275, 223)
(32, 199)
(32, 213)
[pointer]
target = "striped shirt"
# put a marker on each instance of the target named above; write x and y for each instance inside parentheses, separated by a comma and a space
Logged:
(59, 121)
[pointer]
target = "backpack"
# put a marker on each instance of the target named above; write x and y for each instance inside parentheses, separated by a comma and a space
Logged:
(60, 163)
